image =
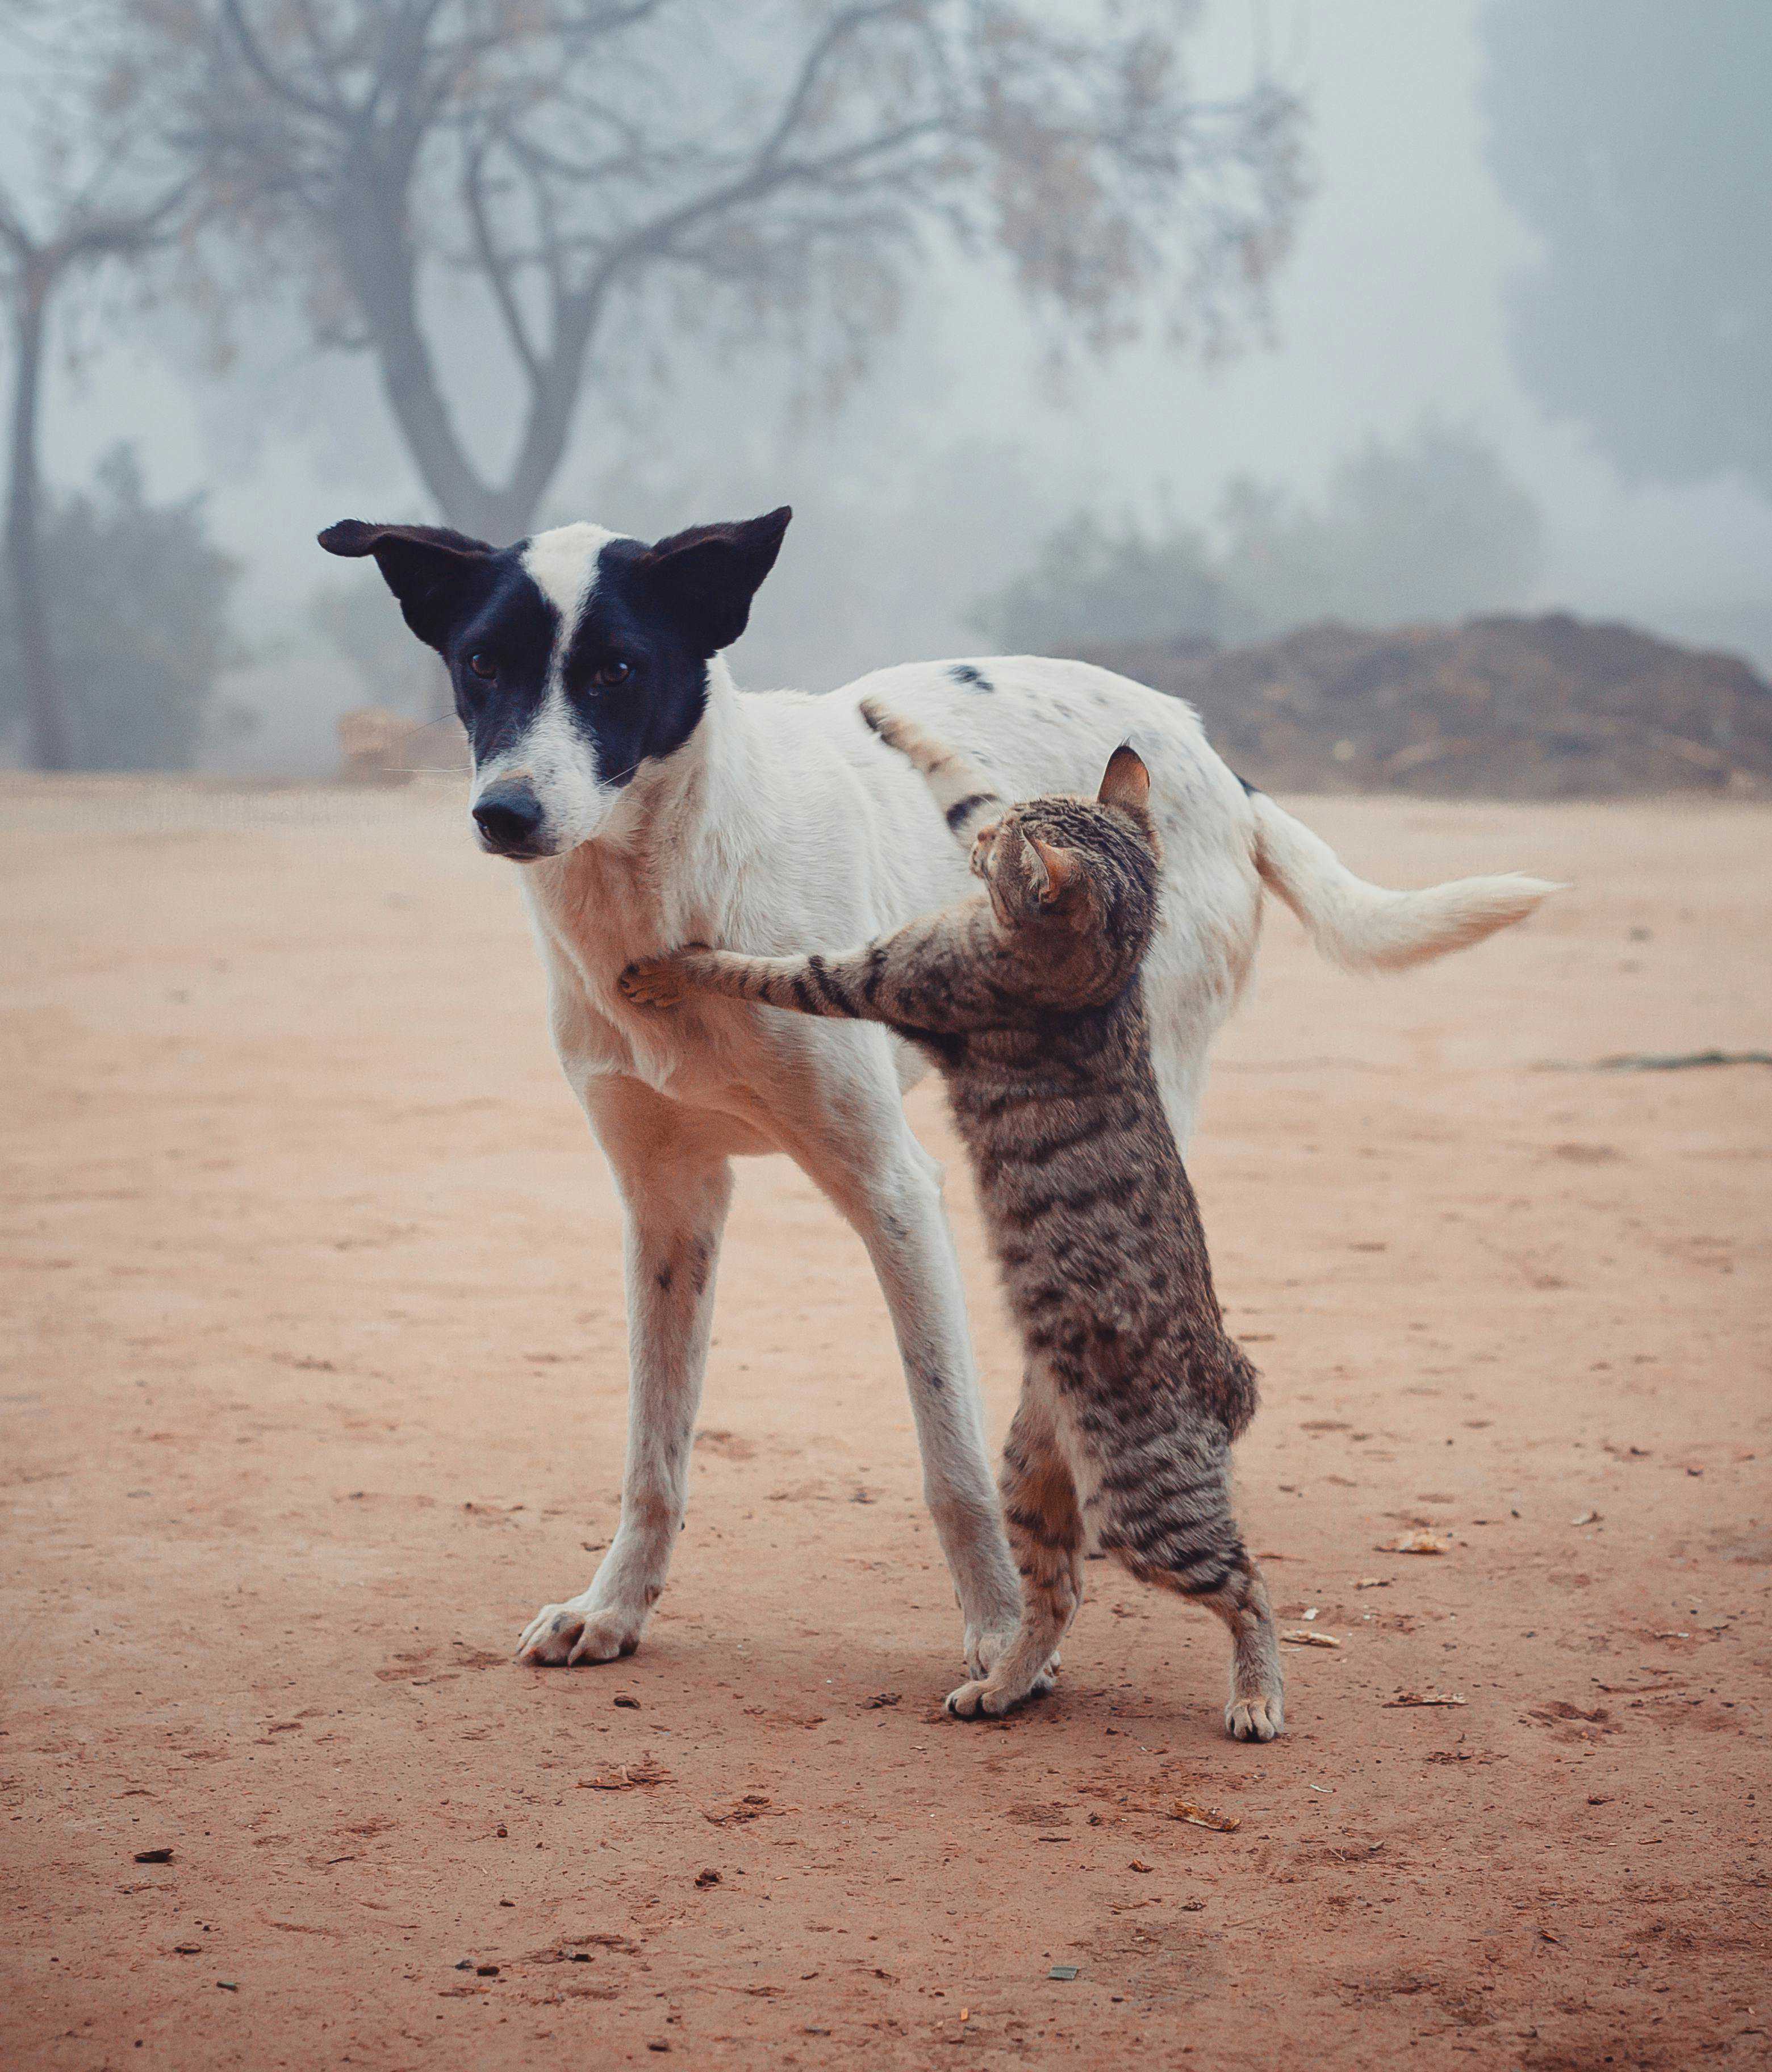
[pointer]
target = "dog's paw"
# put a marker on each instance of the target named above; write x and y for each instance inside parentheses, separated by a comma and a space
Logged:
(560, 1635)
(653, 982)
(1255, 1719)
(969, 1702)
(984, 1699)
(986, 1646)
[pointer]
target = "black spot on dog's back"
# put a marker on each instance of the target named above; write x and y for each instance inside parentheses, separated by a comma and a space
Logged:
(964, 672)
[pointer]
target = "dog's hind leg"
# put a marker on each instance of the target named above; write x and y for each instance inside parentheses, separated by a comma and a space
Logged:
(889, 1189)
(1046, 1536)
(674, 1191)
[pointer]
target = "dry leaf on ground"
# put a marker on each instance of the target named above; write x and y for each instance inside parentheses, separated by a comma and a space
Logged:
(627, 1777)
(1206, 1816)
(1425, 1698)
(1420, 1542)
(1310, 1640)
(754, 1805)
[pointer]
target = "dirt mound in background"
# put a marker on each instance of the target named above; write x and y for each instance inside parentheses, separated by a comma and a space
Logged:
(1498, 708)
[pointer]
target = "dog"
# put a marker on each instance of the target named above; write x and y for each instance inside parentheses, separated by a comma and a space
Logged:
(651, 804)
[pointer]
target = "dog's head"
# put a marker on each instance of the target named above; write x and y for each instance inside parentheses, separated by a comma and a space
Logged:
(576, 655)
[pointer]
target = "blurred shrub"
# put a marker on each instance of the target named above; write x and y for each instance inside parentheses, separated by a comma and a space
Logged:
(137, 598)
(1091, 581)
(1431, 528)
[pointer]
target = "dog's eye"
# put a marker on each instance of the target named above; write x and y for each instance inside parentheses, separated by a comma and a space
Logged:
(483, 667)
(612, 673)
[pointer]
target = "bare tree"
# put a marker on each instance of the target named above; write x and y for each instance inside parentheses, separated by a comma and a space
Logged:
(609, 175)
(91, 196)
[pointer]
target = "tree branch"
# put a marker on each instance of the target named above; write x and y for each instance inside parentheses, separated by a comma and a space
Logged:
(497, 269)
(262, 70)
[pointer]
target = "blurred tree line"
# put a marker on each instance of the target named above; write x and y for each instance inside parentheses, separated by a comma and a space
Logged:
(134, 597)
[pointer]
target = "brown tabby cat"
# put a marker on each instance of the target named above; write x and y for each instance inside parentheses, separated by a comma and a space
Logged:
(1029, 1001)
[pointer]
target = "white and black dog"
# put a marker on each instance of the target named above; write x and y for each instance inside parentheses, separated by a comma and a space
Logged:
(656, 805)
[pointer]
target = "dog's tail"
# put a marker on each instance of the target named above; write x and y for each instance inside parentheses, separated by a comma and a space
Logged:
(1365, 928)
(963, 791)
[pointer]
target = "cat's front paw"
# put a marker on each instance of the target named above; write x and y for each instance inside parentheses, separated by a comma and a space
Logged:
(653, 982)
(877, 719)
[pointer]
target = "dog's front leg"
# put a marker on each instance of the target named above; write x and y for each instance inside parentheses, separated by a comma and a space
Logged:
(675, 1193)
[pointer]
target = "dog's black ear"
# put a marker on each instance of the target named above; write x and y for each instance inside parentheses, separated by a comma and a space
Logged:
(429, 568)
(706, 577)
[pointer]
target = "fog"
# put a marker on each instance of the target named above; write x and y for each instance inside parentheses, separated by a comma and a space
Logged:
(935, 477)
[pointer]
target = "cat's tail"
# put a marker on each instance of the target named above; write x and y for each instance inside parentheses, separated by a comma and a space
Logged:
(962, 790)
(1365, 928)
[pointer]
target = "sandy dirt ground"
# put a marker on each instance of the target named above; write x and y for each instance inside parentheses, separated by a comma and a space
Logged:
(314, 1392)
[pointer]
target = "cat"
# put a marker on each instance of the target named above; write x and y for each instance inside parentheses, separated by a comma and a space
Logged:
(1027, 998)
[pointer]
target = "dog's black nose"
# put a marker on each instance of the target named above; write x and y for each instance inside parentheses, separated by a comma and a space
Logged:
(508, 816)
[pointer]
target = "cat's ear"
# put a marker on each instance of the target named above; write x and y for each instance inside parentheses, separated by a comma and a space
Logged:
(1126, 782)
(1053, 872)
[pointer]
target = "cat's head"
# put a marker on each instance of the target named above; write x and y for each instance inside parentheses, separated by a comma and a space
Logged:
(1068, 873)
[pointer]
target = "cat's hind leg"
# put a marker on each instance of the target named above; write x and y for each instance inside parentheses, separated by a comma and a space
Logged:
(1168, 1521)
(1257, 1710)
(1045, 1537)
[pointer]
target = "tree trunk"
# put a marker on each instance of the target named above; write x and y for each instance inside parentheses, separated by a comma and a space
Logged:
(47, 743)
(379, 264)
